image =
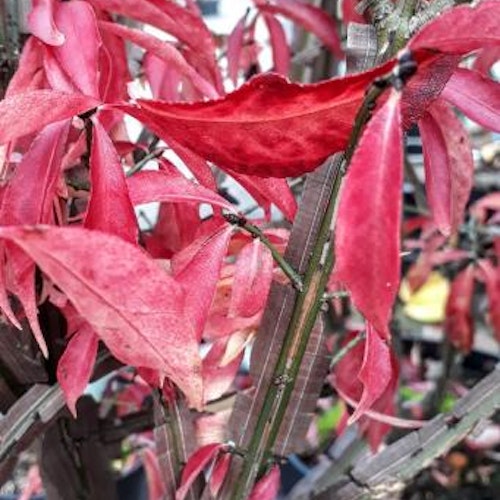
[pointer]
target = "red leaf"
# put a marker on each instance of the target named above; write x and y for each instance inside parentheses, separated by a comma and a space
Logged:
(271, 128)
(485, 60)
(252, 280)
(375, 373)
(310, 17)
(279, 44)
(163, 79)
(195, 465)
(148, 186)
(458, 325)
(130, 302)
(267, 488)
(449, 166)
(219, 472)
(57, 78)
(41, 22)
(234, 48)
(368, 262)
(79, 54)
(29, 74)
(461, 30)
(218, 377)
(22, 114)
(165, 51)
(75, 366)
(490, 202)
(478, 97)
(491, 276)
(110, 209)
(204, 257)
(156, 486)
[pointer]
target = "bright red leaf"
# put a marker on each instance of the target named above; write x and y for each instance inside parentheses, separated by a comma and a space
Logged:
(130, 302)
(195, 465)
(270, 127)
(458, 325)
(110, 209)
(267, 487)
(368, 223)
(279, 44)
(75, 366)
(22, 114)
(309, 16)
(41, 22)
(234, 47)
(449, 166)
(478, 97)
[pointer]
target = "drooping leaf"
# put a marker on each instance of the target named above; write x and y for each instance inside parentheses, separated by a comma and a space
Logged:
(449, 166)
(235, 42)
(368, 257)
(375, 373)
(79, 54)
(75, 366)
(461, 29)
(267, 487)
(41, 22)
(271, 128)
(252, 280)
(279, 44)
(148, 186)
(195, 465)
(22, 114)
(165, 51)
(110, 209)
(458, 325)
(310, 17)
(204, 257)
(130, 302)
(478, 97)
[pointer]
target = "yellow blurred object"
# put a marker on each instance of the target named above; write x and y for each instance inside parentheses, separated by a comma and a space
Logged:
(428, 303)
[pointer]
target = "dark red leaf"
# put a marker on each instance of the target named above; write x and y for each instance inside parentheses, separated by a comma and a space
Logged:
(165, 51)
(310, 17)
(449, 166)
(22, 114)
(478, 97)
(204, 257)
(252, 280)
(75, 366)
(461, 29)
(271, 128)
(41, 22)
(195, 465)
(110, 209)
(267, 488)
(79, 54)
(130, 302)
(368, 224)
(459, 325)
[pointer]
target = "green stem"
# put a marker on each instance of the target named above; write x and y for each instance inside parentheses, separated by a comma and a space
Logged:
(342, 353)
(142, 162)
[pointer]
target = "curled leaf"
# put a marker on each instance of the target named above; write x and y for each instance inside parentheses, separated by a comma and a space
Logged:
(41, 22)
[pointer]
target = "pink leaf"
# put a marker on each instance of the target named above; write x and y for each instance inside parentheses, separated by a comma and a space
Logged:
(449, 166)
(491, 276)
(75, 366)
(79, 54)
(490, 202)
(267, 488)
(271, 128)
(461, 29)
(29, 74)
(478, 97)
(110, 209)
(41, 22)
(195, 465)
(156, 486)
(162, 77)
(204, 257)
(148, 186)
(485, 60)
(57, 78)
(310, 17)
(165, 51)
(252, 280)
(458, 325)
(279, 44)
(367, 262)
(130, 302)
(219, 472)
(22, 114)
(234, 47)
